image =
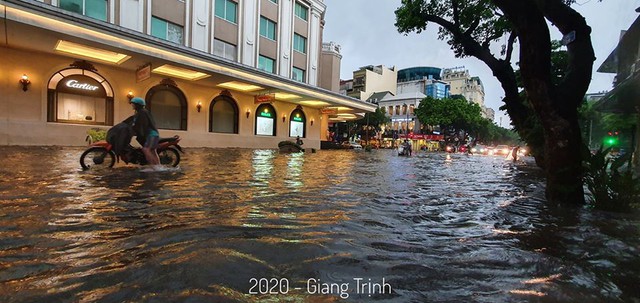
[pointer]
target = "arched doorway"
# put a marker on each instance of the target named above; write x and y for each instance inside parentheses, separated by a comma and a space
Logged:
(223, 114)
(168, 105)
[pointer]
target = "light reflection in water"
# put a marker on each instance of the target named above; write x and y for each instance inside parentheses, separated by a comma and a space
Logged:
(466, 229)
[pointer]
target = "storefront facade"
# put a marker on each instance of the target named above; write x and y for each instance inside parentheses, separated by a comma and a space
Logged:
(64, 74)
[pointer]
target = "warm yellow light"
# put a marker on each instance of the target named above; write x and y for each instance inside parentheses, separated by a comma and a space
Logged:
(179, 72)
(90, 52)
(236, 85)
(286, 96)
(347, 115)
(315, 103)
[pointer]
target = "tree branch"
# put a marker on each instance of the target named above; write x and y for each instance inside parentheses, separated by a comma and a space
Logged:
(472, 27)
(581, 54)
(487, 40)
(456, 12)
(512, 39)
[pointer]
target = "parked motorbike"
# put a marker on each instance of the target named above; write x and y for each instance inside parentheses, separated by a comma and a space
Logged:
(101, 154)
(404, 150)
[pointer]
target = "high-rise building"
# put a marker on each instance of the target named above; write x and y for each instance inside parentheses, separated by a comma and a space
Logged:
(217, 72)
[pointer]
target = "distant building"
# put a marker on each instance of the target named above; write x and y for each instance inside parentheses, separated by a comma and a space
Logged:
(461, 83)
(370, 79)
(330, 59)
(489, 113)
(423, 79)
(471, 88)
(377, 97)
(401, 109)
(346, 86)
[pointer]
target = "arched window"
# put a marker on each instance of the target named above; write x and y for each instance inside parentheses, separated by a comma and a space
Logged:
(297, 123)
(168, 105)
(223, 114)
(265, 120)
(79, 95)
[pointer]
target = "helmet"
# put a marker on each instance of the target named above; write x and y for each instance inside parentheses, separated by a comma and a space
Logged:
(138, 100)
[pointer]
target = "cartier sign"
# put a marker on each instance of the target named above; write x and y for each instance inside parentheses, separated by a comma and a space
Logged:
(79, 85)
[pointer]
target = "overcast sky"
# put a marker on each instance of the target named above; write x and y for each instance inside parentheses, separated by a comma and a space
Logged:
(365, 30)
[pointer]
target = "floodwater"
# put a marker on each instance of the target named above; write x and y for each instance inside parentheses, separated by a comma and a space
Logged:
(232, 222)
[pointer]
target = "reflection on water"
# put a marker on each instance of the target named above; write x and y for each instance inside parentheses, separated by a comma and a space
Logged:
(435, 227)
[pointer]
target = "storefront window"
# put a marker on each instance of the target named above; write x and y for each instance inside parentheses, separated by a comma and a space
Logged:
(168, 105)
(297, 124)
(79, 96)
(223, 115)
(266, 120)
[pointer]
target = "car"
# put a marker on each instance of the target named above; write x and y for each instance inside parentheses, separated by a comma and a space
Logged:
(479, 149)
(502, 150)
(351, 145)
(523, 151)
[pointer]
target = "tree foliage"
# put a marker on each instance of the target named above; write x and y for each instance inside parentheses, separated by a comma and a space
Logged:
(375, 119)
(456, 116)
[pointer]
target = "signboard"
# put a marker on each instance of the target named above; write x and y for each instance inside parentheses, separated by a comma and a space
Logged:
(81, 85)
(423, 137)
(264, 98)
(143, 72)
(265, 114)
(329, 111)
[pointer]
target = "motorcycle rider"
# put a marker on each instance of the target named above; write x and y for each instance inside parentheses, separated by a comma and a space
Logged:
(146, 131)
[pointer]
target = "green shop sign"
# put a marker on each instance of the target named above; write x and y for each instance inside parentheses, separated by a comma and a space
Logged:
(265, 114)
(297, 119)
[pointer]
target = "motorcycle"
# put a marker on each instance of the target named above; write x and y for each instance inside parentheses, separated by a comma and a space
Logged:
(102, 154)
(404, 150)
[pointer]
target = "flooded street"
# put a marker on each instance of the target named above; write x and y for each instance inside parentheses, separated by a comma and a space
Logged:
(436, 229)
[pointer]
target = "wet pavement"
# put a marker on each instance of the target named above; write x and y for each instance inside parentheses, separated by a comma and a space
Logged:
(232, 222)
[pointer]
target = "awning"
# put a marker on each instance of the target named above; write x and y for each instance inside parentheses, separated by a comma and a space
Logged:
(622, 99)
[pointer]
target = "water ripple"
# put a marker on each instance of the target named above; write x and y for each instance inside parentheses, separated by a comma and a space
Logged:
(438, 228)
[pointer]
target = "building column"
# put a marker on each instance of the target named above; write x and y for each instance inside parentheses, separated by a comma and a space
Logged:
(285, 45)
(314, 45)
(248, 30)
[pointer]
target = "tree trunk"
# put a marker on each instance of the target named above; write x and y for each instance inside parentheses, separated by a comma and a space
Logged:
(563, 144)
(555, 106)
